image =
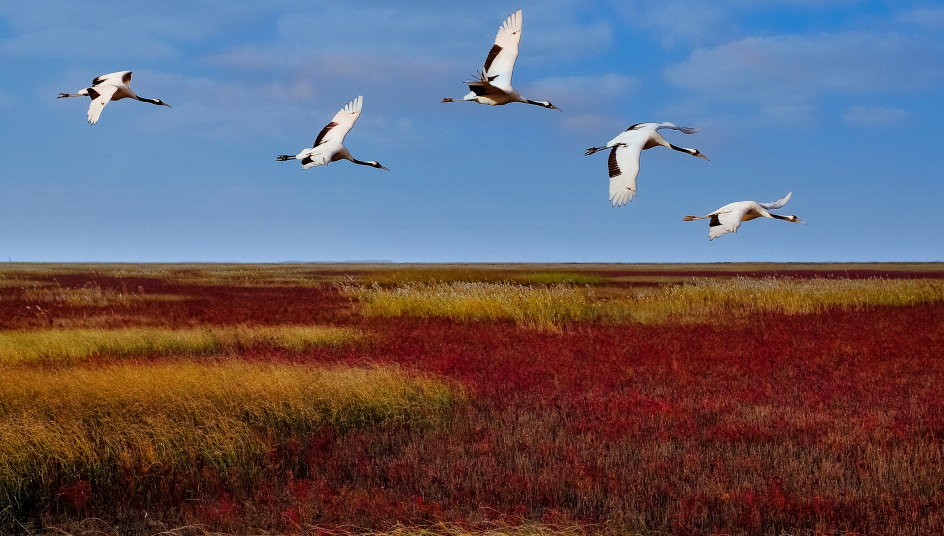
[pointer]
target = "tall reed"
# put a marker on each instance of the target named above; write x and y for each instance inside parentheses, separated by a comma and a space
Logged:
(69, 424)
(540, 306)
(550, 306)
(63, 346)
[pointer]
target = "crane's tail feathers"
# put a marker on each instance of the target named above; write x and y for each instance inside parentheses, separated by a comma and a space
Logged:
(284, 157)
(689, 130)
(592, 150)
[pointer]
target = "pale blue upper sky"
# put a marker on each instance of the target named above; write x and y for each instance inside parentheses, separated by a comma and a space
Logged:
(839, 101)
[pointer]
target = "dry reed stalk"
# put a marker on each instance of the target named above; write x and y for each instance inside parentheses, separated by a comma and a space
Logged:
(64, 346)
(69, 424)
(550, 306)
(538, 307)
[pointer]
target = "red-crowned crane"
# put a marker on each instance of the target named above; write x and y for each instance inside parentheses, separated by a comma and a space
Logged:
(329, 145)
(493, 84)
(624, 156)
(109, 87)
(728, 218)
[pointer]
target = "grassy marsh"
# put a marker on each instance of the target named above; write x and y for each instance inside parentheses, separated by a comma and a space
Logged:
(90, 424)
(74, 345)
(553, 305)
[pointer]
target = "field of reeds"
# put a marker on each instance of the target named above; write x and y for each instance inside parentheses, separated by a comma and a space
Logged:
(472, 399)
(555, 304)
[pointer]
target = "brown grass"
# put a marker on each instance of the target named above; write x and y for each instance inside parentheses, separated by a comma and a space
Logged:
(549, 306)
(96, 424)
(74, 345)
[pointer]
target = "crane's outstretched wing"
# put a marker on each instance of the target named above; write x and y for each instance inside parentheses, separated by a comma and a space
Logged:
(123, 77)
(778, 203)
(341, 124)
(673, 126)
(727, 219)
(624, 167)
(501, 58)
(100, 94)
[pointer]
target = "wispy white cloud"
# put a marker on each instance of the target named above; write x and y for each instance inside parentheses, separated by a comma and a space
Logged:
(875, 115)
(781, 77)
(585, 88)
(681, 22)
(593, 123)
(928, 17)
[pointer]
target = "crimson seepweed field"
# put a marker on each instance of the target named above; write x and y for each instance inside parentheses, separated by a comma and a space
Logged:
(472, 399)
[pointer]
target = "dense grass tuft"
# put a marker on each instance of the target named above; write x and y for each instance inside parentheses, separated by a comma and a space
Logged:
(95, 425)
(712, 299)
(540, 307)
(63, 346)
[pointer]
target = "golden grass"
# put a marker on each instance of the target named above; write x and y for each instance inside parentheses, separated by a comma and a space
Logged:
(94, 424)
(794, 296)
(73, 345)
(546, 307)
(533, 306)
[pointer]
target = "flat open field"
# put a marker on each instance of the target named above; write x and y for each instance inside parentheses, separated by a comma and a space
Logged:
(512, 398)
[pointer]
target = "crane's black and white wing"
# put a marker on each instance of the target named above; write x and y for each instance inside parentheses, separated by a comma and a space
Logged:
(673, 126)
(778, 203)
(623, 165)
(100, 95)
(341, 124)
(120, 77)
(727, 219)
(501, 58)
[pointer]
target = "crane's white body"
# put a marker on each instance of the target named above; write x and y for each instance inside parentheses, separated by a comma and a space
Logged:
(106, 88)
(625, 151)
(728, 218)
(493, 84)
(329, 145)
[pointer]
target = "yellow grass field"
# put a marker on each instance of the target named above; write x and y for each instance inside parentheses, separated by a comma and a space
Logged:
(62, 346)
(555, 304)
(94, 423)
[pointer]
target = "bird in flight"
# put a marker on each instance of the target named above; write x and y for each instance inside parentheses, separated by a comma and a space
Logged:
(624, 156)
(728, 218)
(492, 86)
(329, 145)
(109, 87)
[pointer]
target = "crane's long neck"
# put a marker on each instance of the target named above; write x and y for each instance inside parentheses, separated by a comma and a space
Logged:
(775, 216)
(542, 104)
(682, 149)
(693, 152)
(356, 161)
(152, 101)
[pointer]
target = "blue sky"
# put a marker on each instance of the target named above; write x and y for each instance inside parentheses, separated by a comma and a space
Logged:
(840, 102)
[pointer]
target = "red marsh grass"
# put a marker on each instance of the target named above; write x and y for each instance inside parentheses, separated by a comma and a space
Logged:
(70, 346)
(94, 425)
(556, 304)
